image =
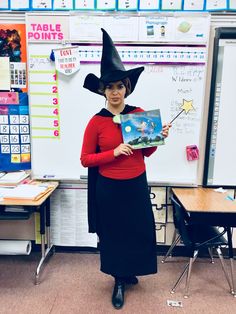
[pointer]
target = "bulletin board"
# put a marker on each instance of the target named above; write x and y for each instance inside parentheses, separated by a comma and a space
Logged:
(15, 147)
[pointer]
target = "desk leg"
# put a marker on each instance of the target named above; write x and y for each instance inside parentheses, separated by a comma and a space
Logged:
(44, 212)
(231, 257)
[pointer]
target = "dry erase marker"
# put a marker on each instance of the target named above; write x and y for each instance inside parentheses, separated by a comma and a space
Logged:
(47, 176)
(83, 177)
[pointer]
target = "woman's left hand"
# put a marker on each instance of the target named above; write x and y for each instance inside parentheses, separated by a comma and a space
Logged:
(165, 129)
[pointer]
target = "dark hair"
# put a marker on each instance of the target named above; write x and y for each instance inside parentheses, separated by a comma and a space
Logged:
(125, 81)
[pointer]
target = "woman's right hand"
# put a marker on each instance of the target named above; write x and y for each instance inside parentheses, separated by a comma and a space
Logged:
(123, 149)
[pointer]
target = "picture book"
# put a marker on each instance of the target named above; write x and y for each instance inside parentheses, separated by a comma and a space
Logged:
(142, 129)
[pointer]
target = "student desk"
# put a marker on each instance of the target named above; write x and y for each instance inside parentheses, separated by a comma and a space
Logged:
(42, 206)
(207, 206)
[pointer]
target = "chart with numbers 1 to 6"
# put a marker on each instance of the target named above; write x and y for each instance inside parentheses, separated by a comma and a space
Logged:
(15, 148)
(149, 54)
(45, 110)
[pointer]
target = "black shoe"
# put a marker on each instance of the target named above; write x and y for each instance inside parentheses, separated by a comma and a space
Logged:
(118, 295)
(131, 280)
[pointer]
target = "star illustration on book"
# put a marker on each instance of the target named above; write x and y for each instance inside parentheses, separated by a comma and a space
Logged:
(186, 106)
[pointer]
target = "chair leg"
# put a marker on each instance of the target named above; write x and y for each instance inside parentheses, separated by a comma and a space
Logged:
(192, 260)
(180, 278)
(232, 276)
(211, 255)
(175, 241)
(224, 269)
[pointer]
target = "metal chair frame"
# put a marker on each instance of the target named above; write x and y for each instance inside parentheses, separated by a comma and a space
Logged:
(195, 247)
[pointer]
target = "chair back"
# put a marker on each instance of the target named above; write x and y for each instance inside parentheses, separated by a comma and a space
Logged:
(181, 222)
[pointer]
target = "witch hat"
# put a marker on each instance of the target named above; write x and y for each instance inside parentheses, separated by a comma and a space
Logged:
(112, 69)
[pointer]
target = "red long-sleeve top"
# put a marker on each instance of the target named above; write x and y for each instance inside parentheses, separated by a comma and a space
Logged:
(102, 132)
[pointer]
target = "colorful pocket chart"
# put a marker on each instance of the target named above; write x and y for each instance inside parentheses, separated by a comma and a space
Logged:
(15, 147)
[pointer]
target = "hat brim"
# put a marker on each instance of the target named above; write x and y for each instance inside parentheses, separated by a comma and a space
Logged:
(93, 83)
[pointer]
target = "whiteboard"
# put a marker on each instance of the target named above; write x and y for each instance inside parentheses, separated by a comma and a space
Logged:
(160, 87)
(220, 166)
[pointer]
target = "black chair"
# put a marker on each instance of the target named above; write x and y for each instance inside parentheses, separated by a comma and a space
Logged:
(175, 240)
(196, 237)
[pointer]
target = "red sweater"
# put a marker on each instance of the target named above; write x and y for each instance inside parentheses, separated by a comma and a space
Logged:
(103, 132)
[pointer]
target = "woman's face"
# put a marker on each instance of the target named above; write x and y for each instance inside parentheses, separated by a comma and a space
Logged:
(115, 93)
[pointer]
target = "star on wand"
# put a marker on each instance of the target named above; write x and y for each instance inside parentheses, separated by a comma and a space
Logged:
(187, 106)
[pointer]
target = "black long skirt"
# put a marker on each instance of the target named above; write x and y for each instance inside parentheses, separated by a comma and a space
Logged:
(126, 227)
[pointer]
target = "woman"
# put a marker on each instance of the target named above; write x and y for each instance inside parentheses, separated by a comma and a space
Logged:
(119, 207)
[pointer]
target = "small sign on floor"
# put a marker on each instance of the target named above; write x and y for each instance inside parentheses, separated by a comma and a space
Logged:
(174, 303)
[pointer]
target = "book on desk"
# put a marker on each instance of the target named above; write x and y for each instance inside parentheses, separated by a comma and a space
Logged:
(31, 192)
(14, 178)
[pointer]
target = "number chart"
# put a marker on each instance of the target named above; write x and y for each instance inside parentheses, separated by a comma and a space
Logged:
(15, 147)
(44, 102)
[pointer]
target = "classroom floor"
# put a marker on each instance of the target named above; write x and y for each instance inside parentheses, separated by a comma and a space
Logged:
(72, 283)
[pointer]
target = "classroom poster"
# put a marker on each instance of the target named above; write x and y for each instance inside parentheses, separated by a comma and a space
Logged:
(13, 45)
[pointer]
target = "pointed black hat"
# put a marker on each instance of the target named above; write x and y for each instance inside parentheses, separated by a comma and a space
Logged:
(112, 68)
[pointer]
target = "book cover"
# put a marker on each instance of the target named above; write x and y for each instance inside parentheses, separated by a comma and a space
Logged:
(142, 129)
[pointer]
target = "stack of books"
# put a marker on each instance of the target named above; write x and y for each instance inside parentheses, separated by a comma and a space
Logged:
(13, 178)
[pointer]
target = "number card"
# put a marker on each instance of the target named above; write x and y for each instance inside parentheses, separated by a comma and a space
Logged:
(106, 5)
(232, 4)
(84, 4)
(19, 5)
(213, 5)
(194, 5)
(63, 5)
(41, 4)
(149, 5)
(4, 5)
(15, 148)
(173, 5)
(127, 5)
